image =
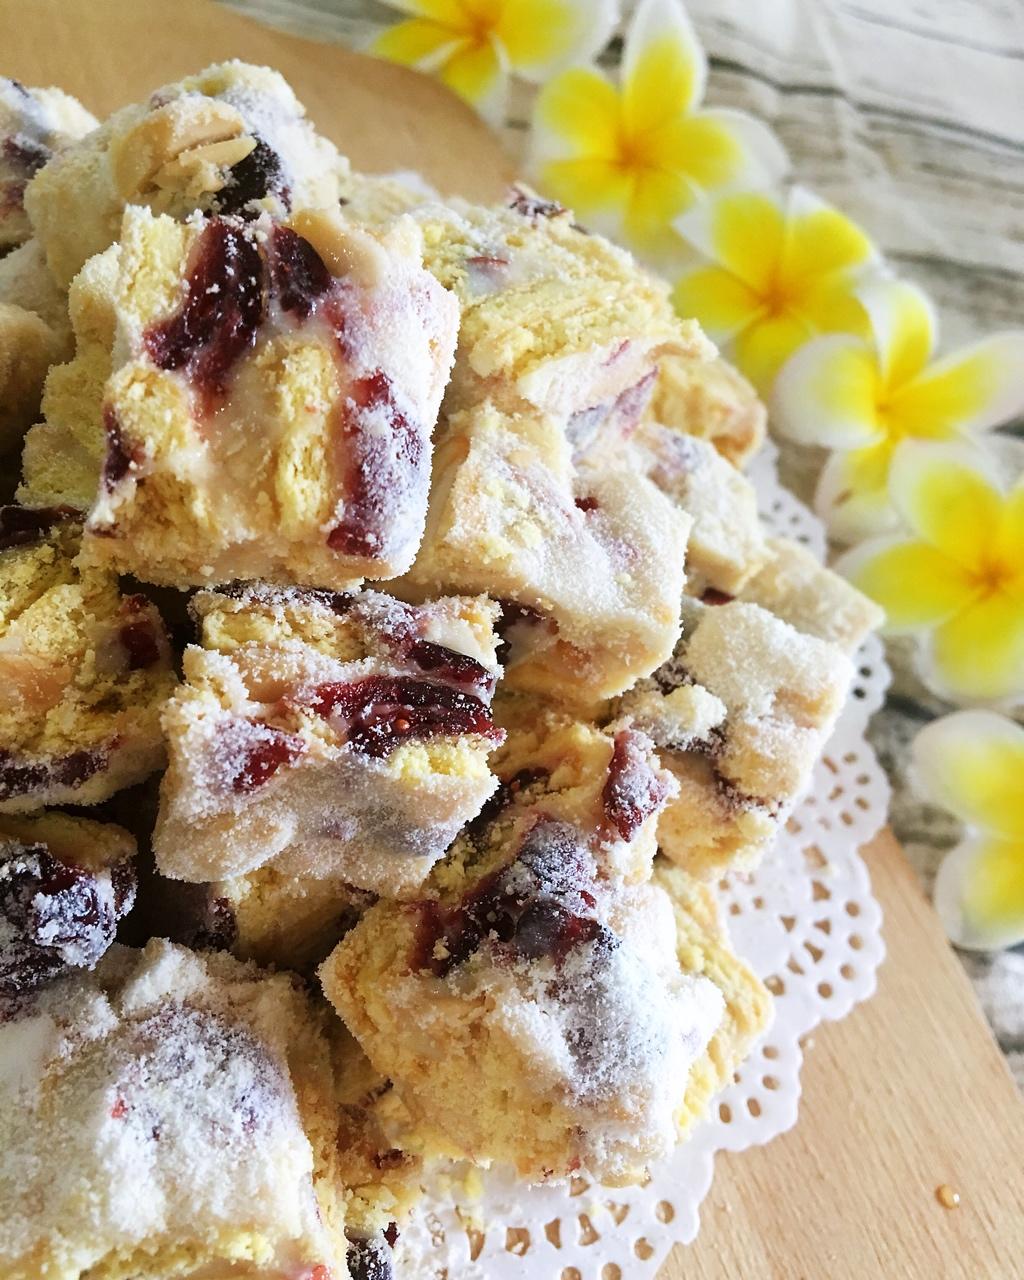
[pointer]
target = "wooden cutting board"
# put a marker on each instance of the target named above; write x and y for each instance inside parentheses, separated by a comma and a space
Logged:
(910, 1091)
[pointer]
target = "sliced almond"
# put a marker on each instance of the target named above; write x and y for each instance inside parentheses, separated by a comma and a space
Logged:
(202, 170)
(162, 135)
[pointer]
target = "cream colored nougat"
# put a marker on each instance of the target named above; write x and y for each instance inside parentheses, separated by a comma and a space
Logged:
(740, 713)
(794, 585)
(233, 138)
(568, 1026)
(712, 400)
(266, 400)
(588, 563)
(34, 125)
(727, 545)
(85, 670)
(339, 738)
(189, 1101)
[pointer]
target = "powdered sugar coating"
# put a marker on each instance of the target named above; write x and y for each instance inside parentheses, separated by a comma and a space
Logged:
(55, 915)
(336, 736)
(726, 545)
(163, 1120)
(34, 123)
(569, 1028)
(273, 395)
(232, 138)
(741, 712)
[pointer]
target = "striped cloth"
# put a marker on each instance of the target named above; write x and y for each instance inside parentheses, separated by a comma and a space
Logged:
(910, 118)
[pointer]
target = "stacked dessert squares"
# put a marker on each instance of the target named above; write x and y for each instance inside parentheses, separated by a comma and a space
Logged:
(385, 566)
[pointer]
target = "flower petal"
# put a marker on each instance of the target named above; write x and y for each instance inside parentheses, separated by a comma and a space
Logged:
(597, 190)
(763, 348)
(852, 496)
(948, 498)
(978, 654)
(916, 585)
(449, 13)
(972, 763)
(765, 161)
(979, 894)
(742, 231)
(1010, 538)
(656, 197)
(478, 74)
(904, 324)
(830, 305)
(576, 115)
(699, 146)
(542, 36)
(972, 389)
(416, 43)
(664, 68)
(827, 394)
(719, 300)
(820, 240)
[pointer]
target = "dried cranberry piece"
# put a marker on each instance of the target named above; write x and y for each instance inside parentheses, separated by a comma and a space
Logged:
(20, 526)
(221, 312)
(376, 473)
(383, 711)
(123, 455)
(632, 791)
(546, 928)
(512, 614)
(502, 797)
(25, 153)
(254, 753)
(299, 276)
(139, 637)
(713, 596)
(369, 1260)
(538, 906)
(587, 504)
(56, 915)
(141, 643)
(447, 664)
(259, 174)
(189, 914)
(20, 776)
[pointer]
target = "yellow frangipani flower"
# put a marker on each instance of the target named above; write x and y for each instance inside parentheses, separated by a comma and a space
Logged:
(785, 269)
(957, 579)
(629, 158)
(972, 763)
(863, 397)
(474, 45)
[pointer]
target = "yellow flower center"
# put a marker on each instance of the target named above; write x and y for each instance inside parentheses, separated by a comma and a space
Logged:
(634, 152)
(995, 573)
(780, 297)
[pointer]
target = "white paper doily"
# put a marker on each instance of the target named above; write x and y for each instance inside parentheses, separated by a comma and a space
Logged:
(807, 924)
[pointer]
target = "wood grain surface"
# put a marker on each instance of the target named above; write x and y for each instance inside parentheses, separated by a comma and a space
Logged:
(906, 1094)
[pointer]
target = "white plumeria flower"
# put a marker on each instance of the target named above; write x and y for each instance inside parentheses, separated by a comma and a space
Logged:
(972, 763)
(955, 580)
(474, 46)
(630, 157)
(781, 268)
(863, 396)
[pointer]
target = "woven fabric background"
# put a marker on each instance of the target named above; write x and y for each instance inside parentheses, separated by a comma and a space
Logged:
(910, 118)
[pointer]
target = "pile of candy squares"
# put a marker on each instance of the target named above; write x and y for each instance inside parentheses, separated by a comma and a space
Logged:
(384, 604)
